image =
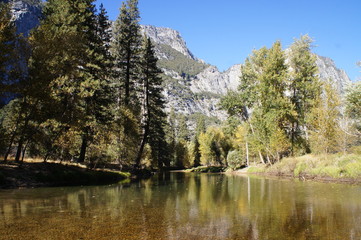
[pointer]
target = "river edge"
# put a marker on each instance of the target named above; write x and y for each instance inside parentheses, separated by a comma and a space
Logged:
(301, 177)
(273, 175)
(55, 174)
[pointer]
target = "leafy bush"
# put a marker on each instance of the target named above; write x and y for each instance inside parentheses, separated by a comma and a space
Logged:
(235, 159)
(353, 169)
(300, 167)
(356, 150)
(256, 169)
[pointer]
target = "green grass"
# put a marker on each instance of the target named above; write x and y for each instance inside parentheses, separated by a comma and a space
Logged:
(257, 169)
(205, 169)
(324, 165)
(74, 176)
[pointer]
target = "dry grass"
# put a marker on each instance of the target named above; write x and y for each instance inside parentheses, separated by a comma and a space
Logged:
(323, 165)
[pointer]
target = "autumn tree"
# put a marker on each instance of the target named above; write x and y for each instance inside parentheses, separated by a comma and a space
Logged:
(324, 129)
(67, 68)
(304, 88)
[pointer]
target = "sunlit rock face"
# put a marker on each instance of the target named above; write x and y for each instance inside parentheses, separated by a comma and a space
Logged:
(168, 36)
(26, 14)
(201, 91)
(329, 72)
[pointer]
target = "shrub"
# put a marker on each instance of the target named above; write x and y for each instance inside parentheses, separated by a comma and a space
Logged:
(353, 169)
(356, 150)
(300, 167)
(234, 159)
(256, 169)
(331, 171)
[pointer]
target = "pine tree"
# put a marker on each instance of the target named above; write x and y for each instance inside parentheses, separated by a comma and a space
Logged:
(153, 116)
(98, 107)
(126, 50)
(200, 128)
(126, 47)
(65, 66)
(182, 129)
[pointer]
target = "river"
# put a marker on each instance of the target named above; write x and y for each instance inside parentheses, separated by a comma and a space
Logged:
(185, 206)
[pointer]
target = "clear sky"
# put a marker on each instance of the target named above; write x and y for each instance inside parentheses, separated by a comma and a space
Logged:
(225, 32)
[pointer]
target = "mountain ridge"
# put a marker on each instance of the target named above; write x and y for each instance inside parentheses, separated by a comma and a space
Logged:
(192, 86)
(211, 83)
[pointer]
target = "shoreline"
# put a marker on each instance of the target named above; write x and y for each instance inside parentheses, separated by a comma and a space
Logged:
(35, 174)
(301, 177)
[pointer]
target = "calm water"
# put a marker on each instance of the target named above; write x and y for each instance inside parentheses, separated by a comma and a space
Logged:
(185, 206)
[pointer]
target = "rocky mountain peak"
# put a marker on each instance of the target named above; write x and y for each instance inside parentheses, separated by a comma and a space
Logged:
(167, 36)
(329, 72)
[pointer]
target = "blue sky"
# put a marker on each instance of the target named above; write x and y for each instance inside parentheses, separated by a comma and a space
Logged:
(225, 32)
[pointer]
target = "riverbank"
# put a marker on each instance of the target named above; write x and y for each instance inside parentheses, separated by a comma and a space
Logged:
(30, 174)
(342, 168)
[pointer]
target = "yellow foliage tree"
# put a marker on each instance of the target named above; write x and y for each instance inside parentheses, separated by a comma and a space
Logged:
(324, 129)
(214, 147)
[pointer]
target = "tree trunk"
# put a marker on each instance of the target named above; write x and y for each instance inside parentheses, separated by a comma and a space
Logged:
(13, 136)
(18, 151)
(146, 121)
(24, 150)
(9, 147)
(141, 148)
(127, 81)
(22, 139)
(259, 152)
(247, 154)
(83, 147)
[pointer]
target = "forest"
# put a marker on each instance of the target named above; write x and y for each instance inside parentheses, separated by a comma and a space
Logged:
(83, 90)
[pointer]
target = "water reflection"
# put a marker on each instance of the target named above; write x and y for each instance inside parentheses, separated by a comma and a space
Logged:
(185, 206)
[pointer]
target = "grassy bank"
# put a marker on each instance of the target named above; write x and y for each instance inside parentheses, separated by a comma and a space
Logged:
(39, 174)
(206, 169)
(325, 166)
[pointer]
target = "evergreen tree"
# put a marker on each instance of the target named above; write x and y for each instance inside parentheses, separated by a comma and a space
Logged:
(126, 47)
(200, 128)
(65, 66)
(99, 106)
(182, 129)
(153, 116)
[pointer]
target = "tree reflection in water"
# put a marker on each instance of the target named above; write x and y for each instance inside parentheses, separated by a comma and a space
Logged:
(185, 206)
